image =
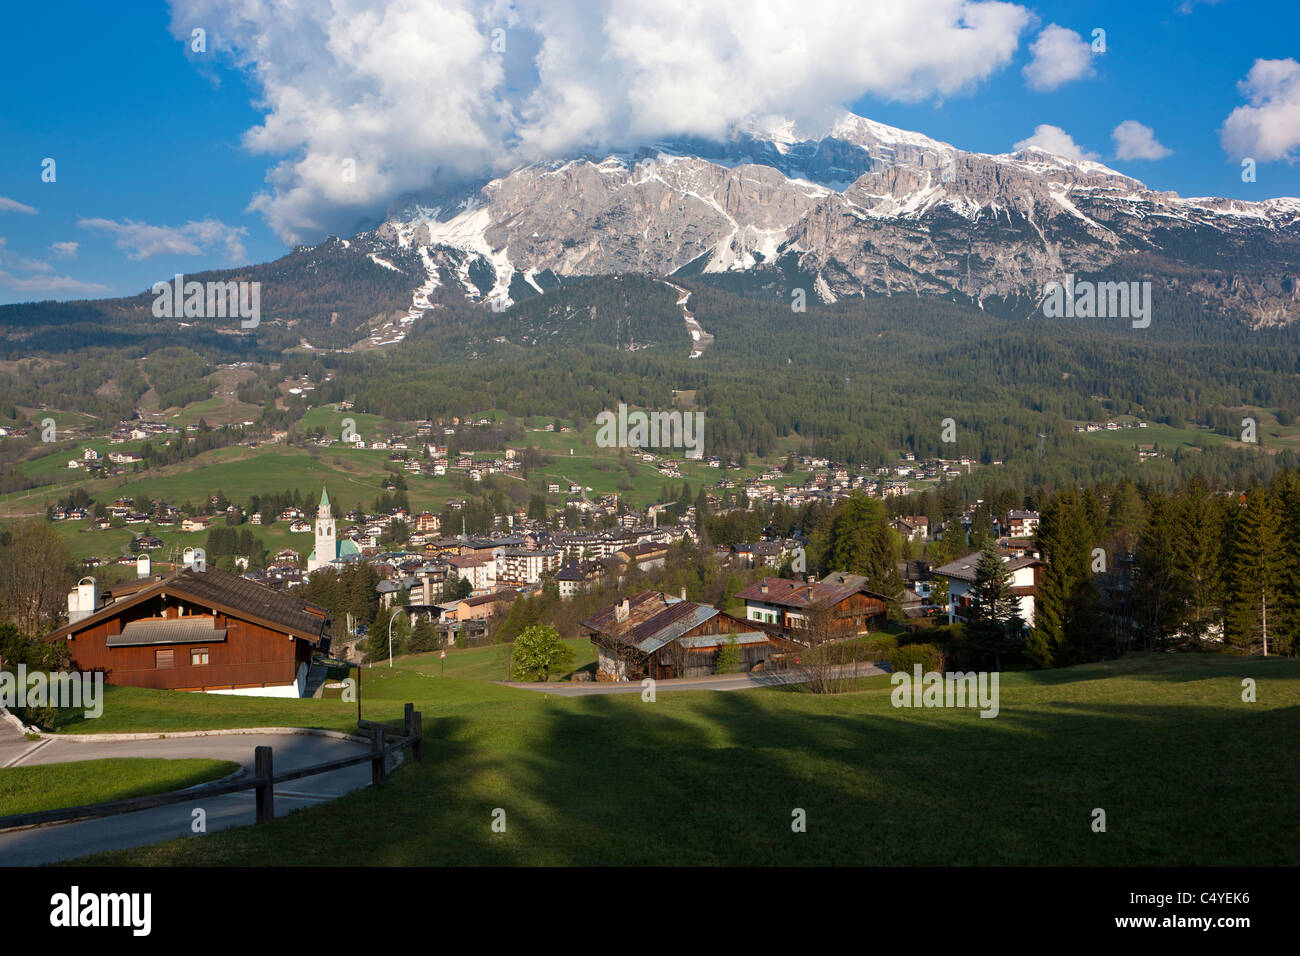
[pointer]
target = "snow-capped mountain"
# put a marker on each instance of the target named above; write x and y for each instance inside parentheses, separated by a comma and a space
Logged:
(859, 208)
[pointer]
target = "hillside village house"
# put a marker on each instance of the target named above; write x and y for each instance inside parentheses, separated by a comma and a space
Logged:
(194, 630)
(788, 605)
(654, 635)
(1024, 568)
(1022, 524)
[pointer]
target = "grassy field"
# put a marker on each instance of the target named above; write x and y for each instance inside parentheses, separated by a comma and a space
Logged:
(1186, 772)
(27, 789)
(1272, 435)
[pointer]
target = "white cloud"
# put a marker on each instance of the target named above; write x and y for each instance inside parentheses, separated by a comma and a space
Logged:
(13, 205)
(1059, 56)
(40, 277)
(1135, 141)
(413, 92)
(64, 250)
(12, 260)
(1269, 128)
(140, 240)
(50, 285)
(1055, 140)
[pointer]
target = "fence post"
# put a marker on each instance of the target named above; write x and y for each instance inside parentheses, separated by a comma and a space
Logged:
(407, 719)
(417, 730)
(379, 762)
(266, 785)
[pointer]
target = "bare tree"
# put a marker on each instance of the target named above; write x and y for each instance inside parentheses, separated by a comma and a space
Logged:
(36, 574)
(678, 656)
(826, 664)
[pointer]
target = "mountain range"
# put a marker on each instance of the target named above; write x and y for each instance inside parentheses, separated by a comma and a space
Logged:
(857, 209)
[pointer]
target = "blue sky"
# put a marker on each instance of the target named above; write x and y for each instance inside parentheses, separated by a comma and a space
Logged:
(154, 174)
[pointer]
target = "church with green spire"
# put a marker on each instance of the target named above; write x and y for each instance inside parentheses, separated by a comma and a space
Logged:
(329, 549)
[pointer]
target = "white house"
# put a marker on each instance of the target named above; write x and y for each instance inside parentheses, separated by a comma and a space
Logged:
(1024, 570)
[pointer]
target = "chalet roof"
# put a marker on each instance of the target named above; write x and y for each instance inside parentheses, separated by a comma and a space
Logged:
(784, 592)
(843, 577)
(221, 591)
(653, 620)
(963, 569)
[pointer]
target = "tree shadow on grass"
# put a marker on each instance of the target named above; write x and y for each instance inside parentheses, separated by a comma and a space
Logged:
(705, 778)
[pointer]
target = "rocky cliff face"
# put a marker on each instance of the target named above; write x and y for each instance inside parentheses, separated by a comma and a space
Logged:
(860, 209)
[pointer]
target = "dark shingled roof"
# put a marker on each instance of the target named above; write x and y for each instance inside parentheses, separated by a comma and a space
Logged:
(220, 590)
(240, 594)
(784, 592)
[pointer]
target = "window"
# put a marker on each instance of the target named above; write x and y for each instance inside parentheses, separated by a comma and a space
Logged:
(164, 659)
(198, 655)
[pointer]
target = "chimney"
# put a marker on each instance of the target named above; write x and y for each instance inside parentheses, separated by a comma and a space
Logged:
(762, 588)
(812, 579)
(621, 611)
(683, 592)
(142, 566)
(83, 600)
(195, 559)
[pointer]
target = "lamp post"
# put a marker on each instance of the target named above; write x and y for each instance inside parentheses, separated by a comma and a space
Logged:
(392, 617)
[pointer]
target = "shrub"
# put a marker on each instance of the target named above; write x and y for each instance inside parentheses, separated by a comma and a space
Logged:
(538, 652)
(728, 657)
(879, 647)
(904, 659)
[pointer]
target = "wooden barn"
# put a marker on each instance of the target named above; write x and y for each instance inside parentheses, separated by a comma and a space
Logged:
(653, 635)
(196, 630)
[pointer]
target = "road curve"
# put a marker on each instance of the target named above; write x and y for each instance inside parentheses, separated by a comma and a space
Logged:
(65, 841)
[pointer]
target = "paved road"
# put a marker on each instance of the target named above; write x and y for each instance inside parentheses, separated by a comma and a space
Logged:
(13, 743)
(716, 682)
(70, 840)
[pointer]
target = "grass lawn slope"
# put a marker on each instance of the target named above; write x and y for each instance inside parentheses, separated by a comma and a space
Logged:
(1187, 773)
(57, 785)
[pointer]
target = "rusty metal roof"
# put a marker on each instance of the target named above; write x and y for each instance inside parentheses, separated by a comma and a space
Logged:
(653, 620)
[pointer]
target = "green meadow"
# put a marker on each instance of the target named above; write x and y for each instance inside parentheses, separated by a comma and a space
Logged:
(80, 782)
(1185, 771)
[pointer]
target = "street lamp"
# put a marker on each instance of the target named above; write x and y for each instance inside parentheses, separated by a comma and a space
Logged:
(391, 619)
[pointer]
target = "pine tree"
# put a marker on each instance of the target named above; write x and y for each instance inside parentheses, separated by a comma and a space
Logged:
(1257, 576)
(994, 620)
(861, 541)
(1197, 558)
(1067, 620)
(1157, 603)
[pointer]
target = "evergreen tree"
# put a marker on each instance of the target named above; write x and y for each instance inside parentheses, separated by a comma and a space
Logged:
(860, 540)
(1067, 621)
(1197, 558)
(994, 622)
(1257, 620)
(1157, 602)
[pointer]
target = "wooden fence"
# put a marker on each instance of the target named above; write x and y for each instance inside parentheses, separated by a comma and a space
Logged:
(263, 781)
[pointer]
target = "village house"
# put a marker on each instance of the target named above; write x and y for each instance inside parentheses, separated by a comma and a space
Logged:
(479, 569)
(1021, 524)
(578, 576)
(791, 606)
(520, 566)
(195, 630)
(1024, 569)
